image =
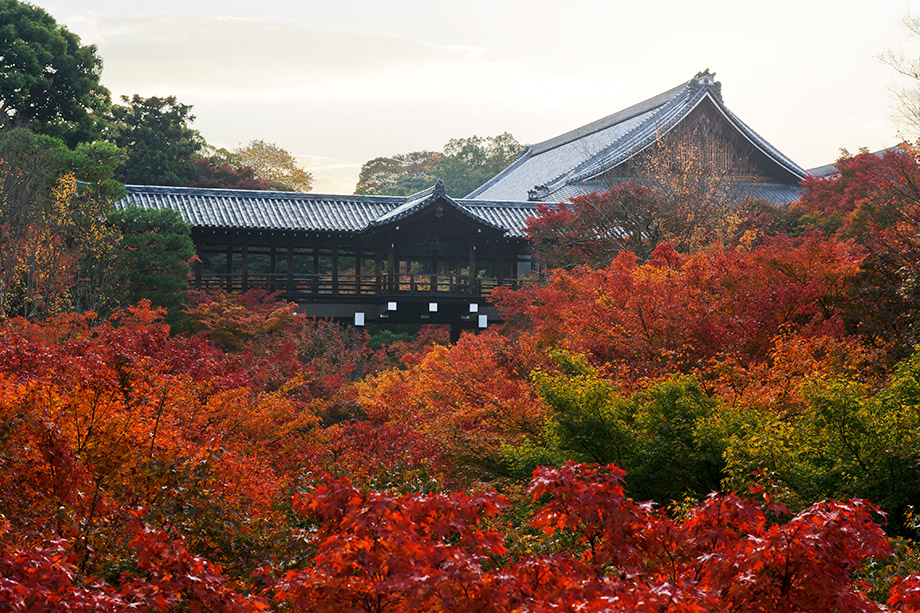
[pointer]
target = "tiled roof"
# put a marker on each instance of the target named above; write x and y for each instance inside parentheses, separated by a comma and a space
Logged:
(265, 210)
(422, 199)
(774, 193)
(546, 171)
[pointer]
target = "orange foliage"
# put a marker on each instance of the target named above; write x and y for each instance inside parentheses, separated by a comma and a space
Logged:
(470, 398)
(680, 312)
(119, 414)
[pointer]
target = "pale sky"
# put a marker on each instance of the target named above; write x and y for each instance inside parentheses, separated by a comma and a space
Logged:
(340, 82)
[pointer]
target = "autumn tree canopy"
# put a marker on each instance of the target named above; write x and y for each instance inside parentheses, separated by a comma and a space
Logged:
(274, 165)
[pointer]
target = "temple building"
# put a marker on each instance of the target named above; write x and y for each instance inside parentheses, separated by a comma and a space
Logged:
(432, 258)
(618, 147)
(422, 258)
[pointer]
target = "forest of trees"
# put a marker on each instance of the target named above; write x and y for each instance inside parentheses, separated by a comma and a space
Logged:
(720, 421)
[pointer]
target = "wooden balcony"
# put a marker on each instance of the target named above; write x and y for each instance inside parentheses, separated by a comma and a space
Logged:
(348, 287)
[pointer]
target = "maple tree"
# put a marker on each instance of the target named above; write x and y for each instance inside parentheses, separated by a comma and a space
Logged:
(671, 437)
(469, 399)
(593, 228)
(841, 441)
(872, 199)
(380, 552)
(678, 312)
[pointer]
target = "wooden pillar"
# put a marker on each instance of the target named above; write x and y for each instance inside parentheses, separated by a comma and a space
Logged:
(391, 268)
(229, 283)
(455, 278)
(245, 272)
(501, 266)
(473, 272)
(335, 269)
(315, 282)
(434, 273)
(357, 268)
(290, 266)
(272, 268)
(378, 270)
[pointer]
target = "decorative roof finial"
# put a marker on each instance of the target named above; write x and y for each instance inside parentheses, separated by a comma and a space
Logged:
(538, 191)
(707, 80)
(439, 190)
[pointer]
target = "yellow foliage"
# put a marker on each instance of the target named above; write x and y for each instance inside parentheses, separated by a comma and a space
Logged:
(274, 164)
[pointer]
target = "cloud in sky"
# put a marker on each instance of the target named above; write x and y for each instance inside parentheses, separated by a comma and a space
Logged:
(349, 81)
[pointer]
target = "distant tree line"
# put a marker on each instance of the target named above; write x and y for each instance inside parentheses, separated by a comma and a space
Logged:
(464, 164)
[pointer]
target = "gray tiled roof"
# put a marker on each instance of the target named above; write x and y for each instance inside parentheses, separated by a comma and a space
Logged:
(422, 199)
(264, 210)
(546, 171)
(774, 193)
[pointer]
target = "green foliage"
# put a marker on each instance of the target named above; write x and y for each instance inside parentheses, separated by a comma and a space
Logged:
(464, 164)
(49, 80)
(670, 437)
(57, 252)
(159, 143)
(398, 175)
(681, 442)
(157, 248)
(467, 163)
(845, 442)
(95, 164)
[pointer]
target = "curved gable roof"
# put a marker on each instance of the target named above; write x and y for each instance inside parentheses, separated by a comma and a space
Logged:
(419, 201)
(543, 170)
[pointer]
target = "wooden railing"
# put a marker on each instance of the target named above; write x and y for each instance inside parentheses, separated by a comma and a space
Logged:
(343, 285)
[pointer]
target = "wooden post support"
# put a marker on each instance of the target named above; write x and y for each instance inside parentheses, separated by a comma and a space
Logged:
(290, 267)
(229, 283)
(335, 269)
(244, 277)
(315, 282)
(272, 268)
(391, 267)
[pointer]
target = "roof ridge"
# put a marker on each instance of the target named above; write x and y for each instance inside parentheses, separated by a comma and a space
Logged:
(262, 194)
(702, 80)
(611, 120)
(603, 156)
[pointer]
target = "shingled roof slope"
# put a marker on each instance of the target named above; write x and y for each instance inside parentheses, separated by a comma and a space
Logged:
(549, 171)
(291, 211)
